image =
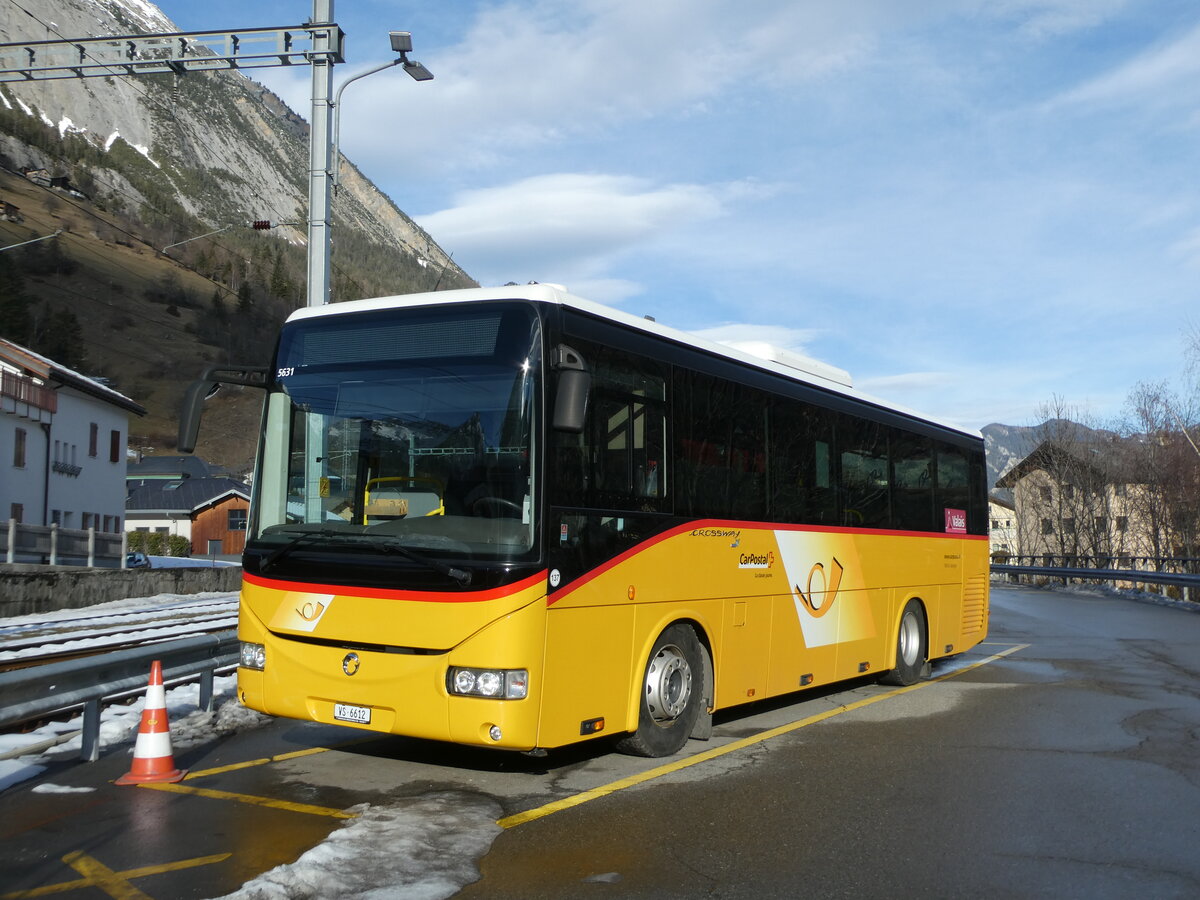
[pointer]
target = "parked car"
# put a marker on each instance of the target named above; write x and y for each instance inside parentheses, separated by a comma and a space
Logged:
(137, 560)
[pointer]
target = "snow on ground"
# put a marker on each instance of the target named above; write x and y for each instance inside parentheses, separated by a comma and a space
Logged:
(420, 849)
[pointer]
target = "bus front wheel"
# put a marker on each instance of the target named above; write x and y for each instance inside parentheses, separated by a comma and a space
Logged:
(672, 693)
(910, 646)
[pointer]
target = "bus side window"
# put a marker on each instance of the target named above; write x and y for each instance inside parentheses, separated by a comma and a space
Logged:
(865, 474)
(912, 482)
(617, 461)
(953, 486)
(802, 482)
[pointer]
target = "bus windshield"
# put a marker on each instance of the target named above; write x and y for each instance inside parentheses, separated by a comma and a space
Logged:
(407, 431)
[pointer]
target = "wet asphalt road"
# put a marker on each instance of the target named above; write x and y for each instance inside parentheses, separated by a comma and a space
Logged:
(1067, 768)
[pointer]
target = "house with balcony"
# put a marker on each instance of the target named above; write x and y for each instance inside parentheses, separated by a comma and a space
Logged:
(63, 439)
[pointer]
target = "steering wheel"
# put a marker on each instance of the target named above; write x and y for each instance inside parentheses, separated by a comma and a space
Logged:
(495, 507)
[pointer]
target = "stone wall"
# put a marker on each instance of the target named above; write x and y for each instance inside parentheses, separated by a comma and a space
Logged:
(26, 589)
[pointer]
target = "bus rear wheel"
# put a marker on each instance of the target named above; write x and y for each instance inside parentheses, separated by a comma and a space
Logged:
(910, 646)
(672, 692)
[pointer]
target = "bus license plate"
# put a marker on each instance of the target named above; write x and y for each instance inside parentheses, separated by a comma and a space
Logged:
(344, 712)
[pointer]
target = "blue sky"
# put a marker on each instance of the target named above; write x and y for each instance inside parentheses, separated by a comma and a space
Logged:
(974, 206)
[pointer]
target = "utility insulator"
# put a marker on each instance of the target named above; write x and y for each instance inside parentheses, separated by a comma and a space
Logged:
(262, 225)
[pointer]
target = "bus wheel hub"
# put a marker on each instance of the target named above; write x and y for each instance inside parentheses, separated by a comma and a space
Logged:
(668, 684)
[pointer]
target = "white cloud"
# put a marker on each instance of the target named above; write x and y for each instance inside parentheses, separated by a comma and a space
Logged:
(1187, 249)
(1157, 76)
(1052, 18)
(572, 224)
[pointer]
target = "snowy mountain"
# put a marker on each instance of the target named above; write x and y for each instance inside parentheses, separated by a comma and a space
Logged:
(221, 147)
(1005, 446)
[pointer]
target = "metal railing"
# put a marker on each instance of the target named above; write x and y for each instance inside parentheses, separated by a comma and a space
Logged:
(57, 546)
(41, 691)
(1189, 581)
(1123, 561)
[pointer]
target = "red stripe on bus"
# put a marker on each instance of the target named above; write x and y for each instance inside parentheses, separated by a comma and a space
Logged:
(384, 594)
(718, 524)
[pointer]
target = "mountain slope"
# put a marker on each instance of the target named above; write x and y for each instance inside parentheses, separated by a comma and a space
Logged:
(227, 149)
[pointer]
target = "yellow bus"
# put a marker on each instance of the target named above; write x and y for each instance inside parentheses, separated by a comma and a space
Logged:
(512, 518)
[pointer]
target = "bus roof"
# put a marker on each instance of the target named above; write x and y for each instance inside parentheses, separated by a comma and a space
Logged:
(759, 355)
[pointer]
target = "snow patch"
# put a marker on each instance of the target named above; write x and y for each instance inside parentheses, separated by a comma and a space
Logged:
(65, 126)
(47, 788)
(145, 151)
(111, 138)
(420, 849)
(14, 771)
(147, 15)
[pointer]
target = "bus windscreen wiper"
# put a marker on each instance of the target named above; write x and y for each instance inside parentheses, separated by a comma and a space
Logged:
(387, 544)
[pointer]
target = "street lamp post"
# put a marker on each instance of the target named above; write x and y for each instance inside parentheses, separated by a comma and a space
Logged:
(323, 149)
(402, 44)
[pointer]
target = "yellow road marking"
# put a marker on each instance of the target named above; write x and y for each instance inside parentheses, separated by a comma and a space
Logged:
(115, 884)
(251, 799)
(669, 768)
(233, 767)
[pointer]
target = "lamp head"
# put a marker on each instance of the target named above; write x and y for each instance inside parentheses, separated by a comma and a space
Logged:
(417, 71)
(401, 41)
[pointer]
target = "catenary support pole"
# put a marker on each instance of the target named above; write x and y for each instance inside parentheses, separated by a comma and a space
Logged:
(318, 155)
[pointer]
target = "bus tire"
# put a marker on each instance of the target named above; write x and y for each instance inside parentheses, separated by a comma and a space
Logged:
(911, 649)
(671, 697)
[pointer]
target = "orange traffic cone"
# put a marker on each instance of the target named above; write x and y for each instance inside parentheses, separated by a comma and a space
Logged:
(152, 756)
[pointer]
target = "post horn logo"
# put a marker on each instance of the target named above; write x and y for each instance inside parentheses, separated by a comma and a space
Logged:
(350, 663)
(820, 601)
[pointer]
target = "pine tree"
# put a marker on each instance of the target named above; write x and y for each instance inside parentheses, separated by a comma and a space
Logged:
(15, 322)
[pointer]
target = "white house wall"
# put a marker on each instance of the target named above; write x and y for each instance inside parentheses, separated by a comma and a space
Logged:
(99, 487)
(180, 524)
(23, 485)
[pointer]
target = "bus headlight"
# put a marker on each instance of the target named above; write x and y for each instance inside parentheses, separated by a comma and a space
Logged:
(254, 656)
(495, 684)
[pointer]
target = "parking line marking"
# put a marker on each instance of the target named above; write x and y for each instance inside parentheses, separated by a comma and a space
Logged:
(233, 767)
(250, 799)
(658, 772)
(115, 884)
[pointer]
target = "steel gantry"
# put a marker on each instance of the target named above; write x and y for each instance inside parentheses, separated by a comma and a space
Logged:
(172, 52)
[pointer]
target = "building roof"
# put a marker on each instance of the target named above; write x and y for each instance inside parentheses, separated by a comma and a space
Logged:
(168, 467)
(182, 496)
(55, 375)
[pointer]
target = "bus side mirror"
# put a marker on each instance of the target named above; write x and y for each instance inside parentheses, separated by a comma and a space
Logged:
(207, 385)
(189, 417)
(574, 382)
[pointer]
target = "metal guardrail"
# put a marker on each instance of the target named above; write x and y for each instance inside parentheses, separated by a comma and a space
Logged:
(1175, 579)
(41, 691)
(1120, 561)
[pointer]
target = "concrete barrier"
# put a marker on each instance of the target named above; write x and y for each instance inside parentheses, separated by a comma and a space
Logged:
(26, 589)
